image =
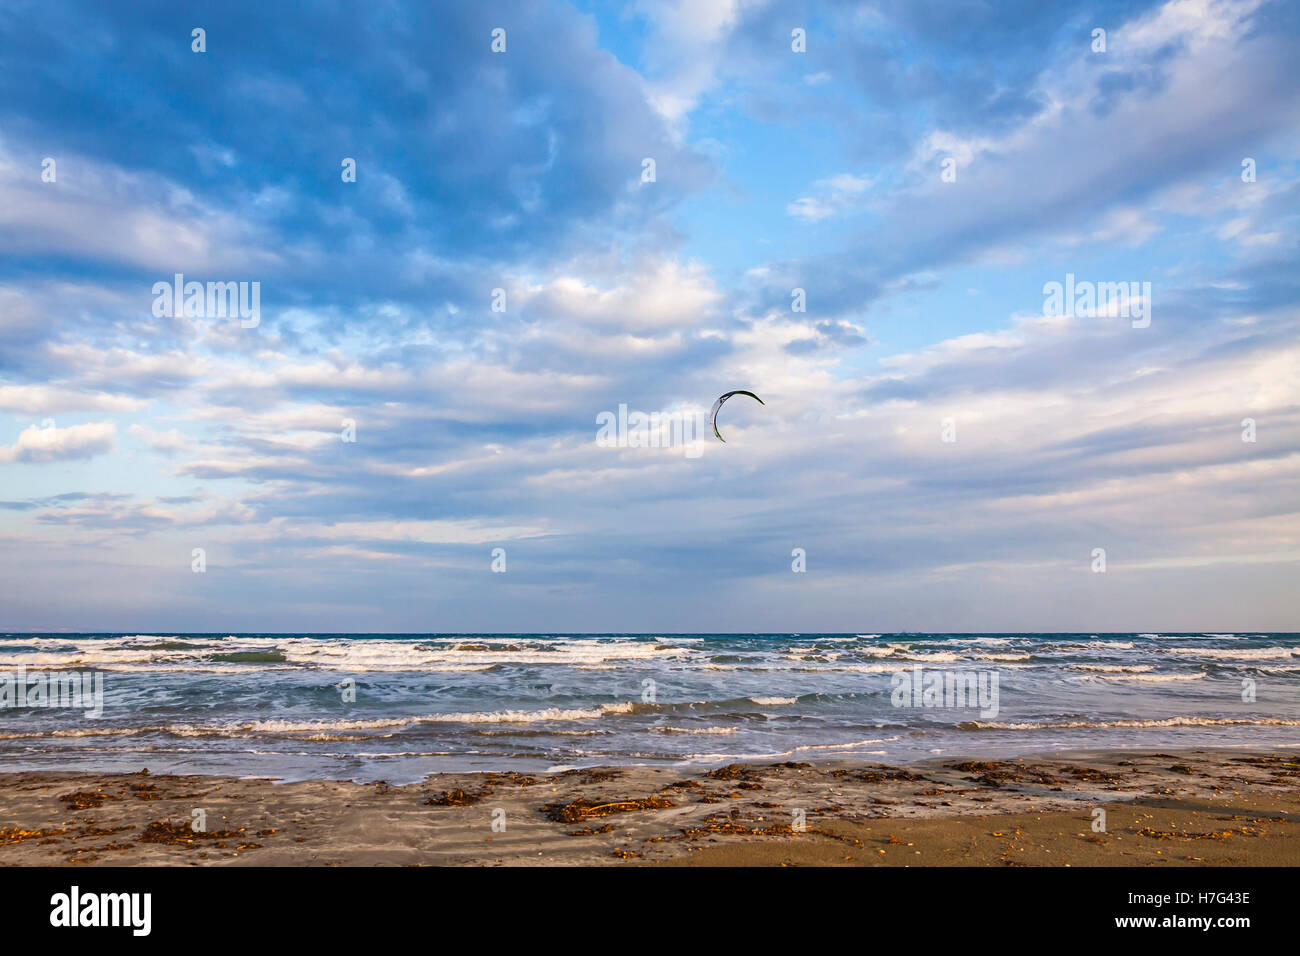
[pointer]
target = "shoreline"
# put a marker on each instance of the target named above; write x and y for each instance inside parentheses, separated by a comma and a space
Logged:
(1206, 806)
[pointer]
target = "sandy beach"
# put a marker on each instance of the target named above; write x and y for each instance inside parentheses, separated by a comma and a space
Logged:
(1229, 808)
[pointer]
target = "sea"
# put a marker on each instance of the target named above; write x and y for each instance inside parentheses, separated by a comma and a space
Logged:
(398, 707)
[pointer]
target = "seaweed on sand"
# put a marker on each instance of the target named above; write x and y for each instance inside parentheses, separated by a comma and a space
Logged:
(18, 834)
(1090, 774)
(595, 775)
(996, 773)
(518, 779)
(592, 831)
(880, 773)
(457, 798)
(181, 834)
(732, 771)
(584, 809)
(84, 799)
(1173, 835)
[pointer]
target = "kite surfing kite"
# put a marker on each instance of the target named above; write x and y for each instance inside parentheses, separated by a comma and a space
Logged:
(713, 416)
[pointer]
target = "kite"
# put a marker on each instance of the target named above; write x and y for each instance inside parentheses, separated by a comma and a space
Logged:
(713, 416)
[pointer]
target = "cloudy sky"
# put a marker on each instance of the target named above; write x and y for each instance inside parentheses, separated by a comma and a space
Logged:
(920, 172)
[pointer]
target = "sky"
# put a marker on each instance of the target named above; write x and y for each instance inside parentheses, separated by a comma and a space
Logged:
(559, 209)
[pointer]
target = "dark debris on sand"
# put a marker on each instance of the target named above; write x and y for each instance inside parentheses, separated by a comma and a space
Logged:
(84, 799)
(182, 834)
(457, 798)
(997, 773)
(880, 773)
(583, 809)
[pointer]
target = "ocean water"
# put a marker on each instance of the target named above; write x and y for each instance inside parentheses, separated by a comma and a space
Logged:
(275, 704)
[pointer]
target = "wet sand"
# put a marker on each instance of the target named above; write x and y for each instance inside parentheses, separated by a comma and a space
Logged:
(1226, 808)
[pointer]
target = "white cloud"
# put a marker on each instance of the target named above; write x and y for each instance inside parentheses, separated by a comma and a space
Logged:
(168, 442)
(50, 443)
(49, 400)
(831, 196)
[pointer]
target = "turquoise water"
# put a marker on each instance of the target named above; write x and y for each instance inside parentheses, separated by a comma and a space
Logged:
(397, 707)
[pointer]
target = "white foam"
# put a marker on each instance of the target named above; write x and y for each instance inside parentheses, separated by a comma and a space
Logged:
(1242, 653)
(938, 657)
(256, 727)
(706, 731)
(846, 747)
(139, 653)
(1103, 724)
(1151, 678)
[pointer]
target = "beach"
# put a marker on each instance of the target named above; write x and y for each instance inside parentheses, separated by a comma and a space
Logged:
(1207, 807)
(569, 750)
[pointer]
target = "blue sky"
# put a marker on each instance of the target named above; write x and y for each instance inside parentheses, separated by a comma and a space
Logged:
(128, 439)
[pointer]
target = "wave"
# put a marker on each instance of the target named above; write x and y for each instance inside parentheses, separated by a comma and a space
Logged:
(1092, 645)
(257, 727)
(1242, 653)
(776, 755)
(142, 653)
(1132, 723)
(249, 657)
(937, 657)
(1151, 678)
(707, 731)
(74, 732)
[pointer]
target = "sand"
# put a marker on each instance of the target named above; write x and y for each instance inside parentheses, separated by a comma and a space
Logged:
(1216, 808)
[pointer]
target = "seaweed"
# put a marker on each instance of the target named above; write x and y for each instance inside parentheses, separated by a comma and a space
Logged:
(583, 809)
(181, 834)
(1173, 835)
(882, 774)
(1091, 774)
(93, 831)
(457, 798)
(994, 774)
(518, 779)
(597, 775)
(732, 771)
(84, 799)
(18, 834)
(592, 831)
